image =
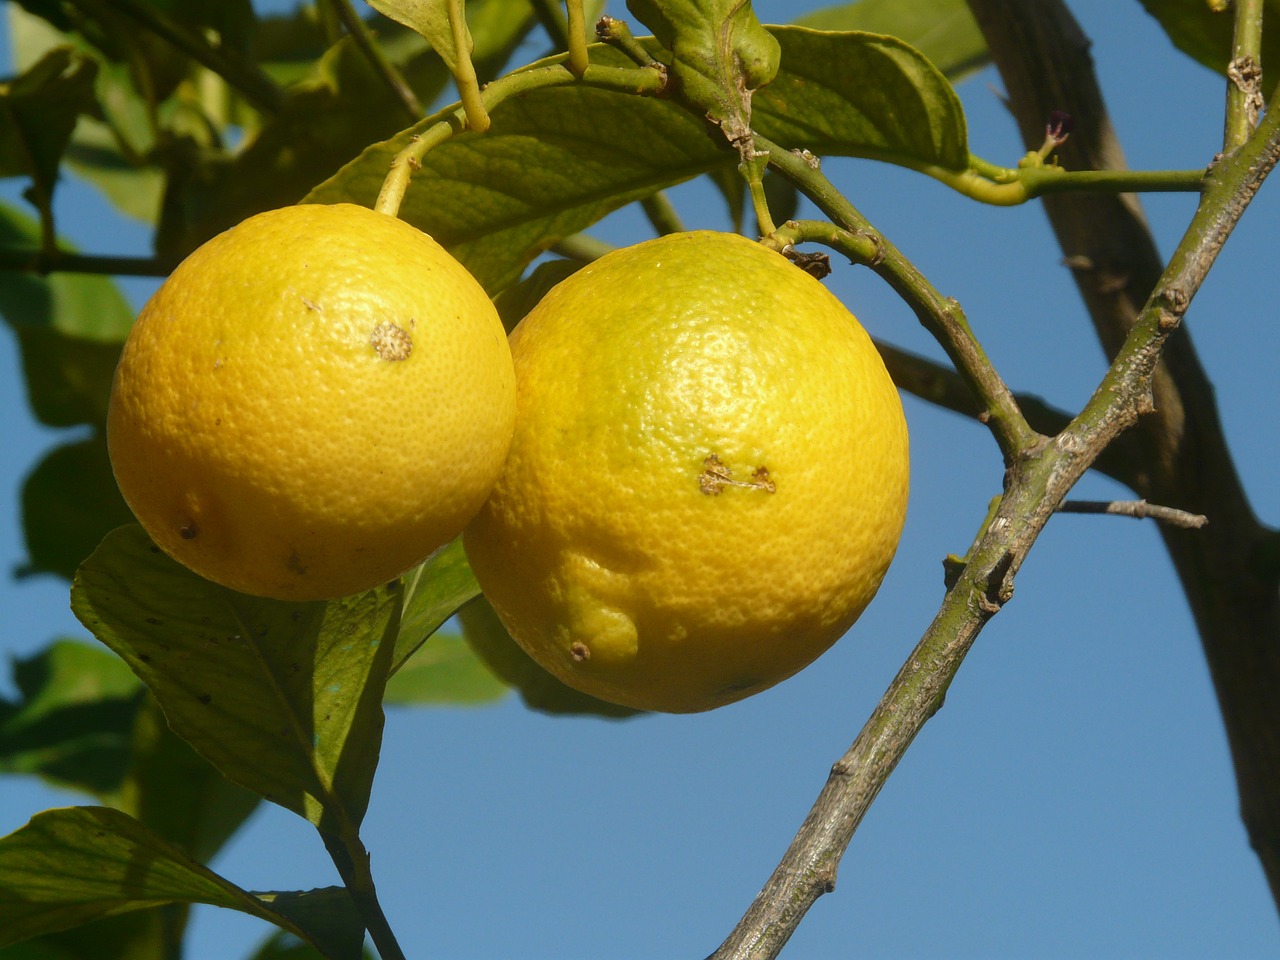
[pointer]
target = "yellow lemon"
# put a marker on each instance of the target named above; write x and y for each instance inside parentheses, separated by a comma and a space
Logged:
(708, 477)
(312, 402)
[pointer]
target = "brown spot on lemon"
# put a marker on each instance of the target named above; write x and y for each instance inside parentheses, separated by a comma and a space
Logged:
(580, 652)
(715, 476)
(391, 342)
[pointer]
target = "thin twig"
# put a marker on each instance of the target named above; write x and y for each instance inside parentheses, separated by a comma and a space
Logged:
(60, 261)
(1138, 509)
(1244, 75)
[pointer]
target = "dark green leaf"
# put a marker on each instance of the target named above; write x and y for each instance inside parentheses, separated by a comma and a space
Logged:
(38, 111)
(433, 592)
(70, 328)
(539, 689)
(73, 865)
(70, 501)
(284, 946)
(328, 915)
(137, 935)
(863, 95)
(943, 30)
(283, 698)
(176, 792)
(325, 121)
(1206, 36)
(558, 159)
(444, 671)
(73, 719)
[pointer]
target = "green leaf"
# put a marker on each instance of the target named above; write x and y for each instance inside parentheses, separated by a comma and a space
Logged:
(175, 791)
(558, 159)
(284, 946)
(862, 95)
(325, 121)
(521, 297)
(430, 19)
(70, 501)
(719, 54)
(73, 720)
(38, 111)
(942, 30)
(444, 671)
(137, 935)
(283, 698)
(1206, 36)
(73, 865)
(433, 592)
(327, 914)
(539, 689)
(70, 328)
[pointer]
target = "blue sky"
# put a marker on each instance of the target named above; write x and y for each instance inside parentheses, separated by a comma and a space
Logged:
(1073, 798)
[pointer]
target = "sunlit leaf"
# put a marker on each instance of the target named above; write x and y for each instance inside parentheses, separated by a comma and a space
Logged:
(943, 30)
(73, 719)
(863, 95)
(72, 865)
(70, 501)
(430, 18)
(283, 698)
(444, 671)
(1205, 35)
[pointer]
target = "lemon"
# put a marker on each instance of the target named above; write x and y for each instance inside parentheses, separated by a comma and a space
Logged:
(311, 403)
(707, 481)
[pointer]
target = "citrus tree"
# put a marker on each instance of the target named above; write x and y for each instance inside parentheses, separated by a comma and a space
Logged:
(627, 558)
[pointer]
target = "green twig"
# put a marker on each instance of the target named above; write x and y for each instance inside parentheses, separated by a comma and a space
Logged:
(385, 69)
(352, 860)
(582, 246)
(942, 316)
(464, 71)
(616, 33)
(577, 36)
(254, 85)
(1244, 75)
(1007, 187)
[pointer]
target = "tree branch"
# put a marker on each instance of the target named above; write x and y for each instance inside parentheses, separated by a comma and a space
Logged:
(1179, 453)
(1036, 483)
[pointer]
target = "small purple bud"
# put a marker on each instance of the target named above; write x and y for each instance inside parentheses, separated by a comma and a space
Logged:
(1059, 126)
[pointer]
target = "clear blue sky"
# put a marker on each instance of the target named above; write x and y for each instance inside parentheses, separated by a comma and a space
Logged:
(1074, 797)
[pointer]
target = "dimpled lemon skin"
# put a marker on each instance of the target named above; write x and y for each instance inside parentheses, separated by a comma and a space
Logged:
(708, 477)
(312, 402)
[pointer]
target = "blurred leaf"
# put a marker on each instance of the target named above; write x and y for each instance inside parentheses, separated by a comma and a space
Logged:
(539, 689)
(943, 30)
(782, 196)
(73, 865)
(558, 159)
(324, 122)
(70, 327)
(70, 501)
(433, 592)
(176, 792)
(862, 95)
(73, 720)
(95, 156)
(327, 914)
(285, 946)
(1206, 36)
(430, 19)
(144, 934)
(283, 698)
(521, 297)
(444, 671)
(38, 111)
